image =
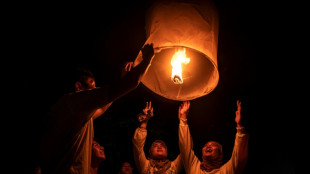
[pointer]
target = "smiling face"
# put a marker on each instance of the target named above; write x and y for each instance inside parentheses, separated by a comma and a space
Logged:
(98, 151)
(212, 150)
(158, 150)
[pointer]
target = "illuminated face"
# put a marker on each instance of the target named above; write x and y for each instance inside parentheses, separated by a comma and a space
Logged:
(158, 150)
(126, 168)
(212, 150)
(98, 151)
(87, 84)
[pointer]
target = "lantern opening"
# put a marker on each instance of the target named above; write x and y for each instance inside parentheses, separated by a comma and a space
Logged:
(200, 76)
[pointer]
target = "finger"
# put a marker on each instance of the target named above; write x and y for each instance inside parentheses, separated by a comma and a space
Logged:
(239, 105)
(129, 65)
(126, 66)
(187, 104)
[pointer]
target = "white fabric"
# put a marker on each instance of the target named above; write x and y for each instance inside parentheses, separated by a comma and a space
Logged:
(173, 25)
(143, 163)
(191, 161)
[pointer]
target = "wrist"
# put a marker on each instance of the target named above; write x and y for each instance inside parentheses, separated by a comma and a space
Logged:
(183, 116)
(239, 125)
(183, 119)
(183, 122)
(143, 126)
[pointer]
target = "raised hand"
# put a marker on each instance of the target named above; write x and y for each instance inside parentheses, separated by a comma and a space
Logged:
(126, 68)
(147, 112)
(238, 113)
(184, 109)
(147, 51)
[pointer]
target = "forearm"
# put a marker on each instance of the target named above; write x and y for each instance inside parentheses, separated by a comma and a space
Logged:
(88, 102)
(243, 152)
(138, 141)
(139, 138)
(184, 136)
(178, 163)
(185, 145)
(240, 150)
(130, 81)
(101, 111)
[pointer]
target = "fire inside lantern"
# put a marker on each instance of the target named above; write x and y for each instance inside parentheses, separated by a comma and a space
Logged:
(178, 59)
(185, 39)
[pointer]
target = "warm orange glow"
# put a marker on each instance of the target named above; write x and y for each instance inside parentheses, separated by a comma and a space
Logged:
(178, 59)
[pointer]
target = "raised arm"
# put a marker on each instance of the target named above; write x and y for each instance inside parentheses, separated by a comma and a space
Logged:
(124, 70)
(239, 155)
(139, 137)
(185, 139)
(101, 110)
(102, 97)
(243, 144)
(133, 78)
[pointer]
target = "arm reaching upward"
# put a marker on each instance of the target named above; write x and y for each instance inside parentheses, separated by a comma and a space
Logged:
(190, 161)
(133, 78)
(243, 145)
(239, 155)
(139, 138)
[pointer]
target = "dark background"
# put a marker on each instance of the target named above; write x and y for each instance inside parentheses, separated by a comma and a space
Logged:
(260, 62)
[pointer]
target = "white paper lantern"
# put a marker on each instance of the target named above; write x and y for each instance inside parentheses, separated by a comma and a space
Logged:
(191, 27)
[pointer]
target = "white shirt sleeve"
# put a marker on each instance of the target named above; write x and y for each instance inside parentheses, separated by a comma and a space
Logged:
(190, 161)
(138, 141)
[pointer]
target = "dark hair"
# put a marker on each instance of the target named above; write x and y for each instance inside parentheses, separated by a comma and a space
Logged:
(81, 75)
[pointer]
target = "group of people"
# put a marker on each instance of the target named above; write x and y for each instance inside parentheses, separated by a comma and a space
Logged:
(212, 152)
(68, 144)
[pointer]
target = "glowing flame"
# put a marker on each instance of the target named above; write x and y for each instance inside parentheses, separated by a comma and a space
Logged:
(177, 60)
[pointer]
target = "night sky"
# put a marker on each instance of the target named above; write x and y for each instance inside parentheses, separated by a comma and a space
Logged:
(258, 62)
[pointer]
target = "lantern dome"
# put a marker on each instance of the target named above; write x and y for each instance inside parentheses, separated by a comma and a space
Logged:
(192, 29)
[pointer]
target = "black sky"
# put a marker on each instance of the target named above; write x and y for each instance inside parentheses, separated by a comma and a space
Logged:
(258, 62)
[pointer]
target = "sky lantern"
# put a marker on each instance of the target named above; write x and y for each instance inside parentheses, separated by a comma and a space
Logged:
(185, 39)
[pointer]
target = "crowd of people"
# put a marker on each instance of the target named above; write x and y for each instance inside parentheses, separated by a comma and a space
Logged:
(68, 144)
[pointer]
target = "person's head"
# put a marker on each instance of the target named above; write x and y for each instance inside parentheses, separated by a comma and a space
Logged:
(212, 150)
(158, 150)
(84, 80)
(125, 168)
(98, 154)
